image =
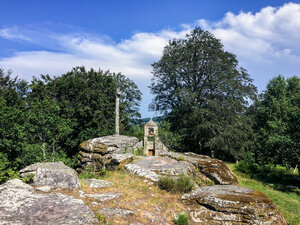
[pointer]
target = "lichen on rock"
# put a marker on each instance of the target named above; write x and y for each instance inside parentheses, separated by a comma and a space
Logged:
(231, 204)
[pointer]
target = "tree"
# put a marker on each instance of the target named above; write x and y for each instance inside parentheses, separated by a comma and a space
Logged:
(277, 119)
(205, 94)
(86, 100)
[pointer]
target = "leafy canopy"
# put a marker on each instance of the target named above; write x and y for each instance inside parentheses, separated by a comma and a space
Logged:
(204, 93)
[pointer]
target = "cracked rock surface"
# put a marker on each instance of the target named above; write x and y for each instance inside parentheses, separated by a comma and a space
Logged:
(153, 167)
(214, 169)
(96, 183)
(19, 204)
(231, 204)
(53, 174)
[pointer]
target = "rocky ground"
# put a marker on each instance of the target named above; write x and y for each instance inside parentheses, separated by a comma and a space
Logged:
(129, 194)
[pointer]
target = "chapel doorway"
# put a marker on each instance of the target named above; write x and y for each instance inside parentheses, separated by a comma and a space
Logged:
(151, 152)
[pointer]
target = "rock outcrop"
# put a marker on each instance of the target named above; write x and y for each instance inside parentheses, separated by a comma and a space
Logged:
(53, 174)
(214, 169)
(154, 167)
(106, 152)
(231, 204)
(19, 204)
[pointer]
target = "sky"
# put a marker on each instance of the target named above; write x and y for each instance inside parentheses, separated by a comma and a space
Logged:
(52, 37)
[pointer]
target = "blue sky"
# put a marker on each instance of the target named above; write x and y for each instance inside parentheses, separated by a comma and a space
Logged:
(51, 37)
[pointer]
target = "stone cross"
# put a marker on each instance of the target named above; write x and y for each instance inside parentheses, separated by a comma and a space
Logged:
(118, 93)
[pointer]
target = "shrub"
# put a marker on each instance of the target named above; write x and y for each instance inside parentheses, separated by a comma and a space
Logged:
(101, 218)
(166, 183)
(182, 219)
(182, 184)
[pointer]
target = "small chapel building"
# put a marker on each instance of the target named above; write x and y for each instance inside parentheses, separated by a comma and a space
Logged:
(152, 145)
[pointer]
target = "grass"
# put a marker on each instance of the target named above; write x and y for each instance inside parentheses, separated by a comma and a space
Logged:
(136, 195)
(286, 199)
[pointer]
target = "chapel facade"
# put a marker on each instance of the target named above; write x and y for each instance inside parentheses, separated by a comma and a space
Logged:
(152, 145)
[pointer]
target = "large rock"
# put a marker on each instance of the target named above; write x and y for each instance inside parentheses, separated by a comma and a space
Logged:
(153, 167)
(214, 169)
(19, 204)
(106, 152)
(231, 204)
(53, 174)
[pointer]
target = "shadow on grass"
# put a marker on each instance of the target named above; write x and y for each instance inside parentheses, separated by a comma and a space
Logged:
(276, 177)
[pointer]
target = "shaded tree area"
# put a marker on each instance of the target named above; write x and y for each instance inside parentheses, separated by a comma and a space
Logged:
(205, 95)
(47, 119)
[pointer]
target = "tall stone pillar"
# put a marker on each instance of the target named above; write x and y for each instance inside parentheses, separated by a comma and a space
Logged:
(118, 93)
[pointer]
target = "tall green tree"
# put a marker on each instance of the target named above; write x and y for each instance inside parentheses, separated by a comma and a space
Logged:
(87, 100)
(278, 122)
(205, 94)
(12, 130)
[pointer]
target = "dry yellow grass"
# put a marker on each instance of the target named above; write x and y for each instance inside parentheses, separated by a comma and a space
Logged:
(145, 200)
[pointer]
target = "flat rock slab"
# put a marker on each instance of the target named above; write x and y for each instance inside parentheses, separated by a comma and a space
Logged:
(109, 144)
(115, 212)
(231, 204)
(19, 204)
(97, 183)
(214, 169)
(103, 197)
(152, 167)
(53, 174)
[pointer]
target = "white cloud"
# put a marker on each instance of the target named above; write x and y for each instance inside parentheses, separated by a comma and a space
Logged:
(132, 57)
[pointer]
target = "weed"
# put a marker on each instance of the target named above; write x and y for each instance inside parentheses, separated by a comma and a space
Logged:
(182, 219)
(180, 158)
(138, 151)
(101, 218)
(28, 178)
(86, 174)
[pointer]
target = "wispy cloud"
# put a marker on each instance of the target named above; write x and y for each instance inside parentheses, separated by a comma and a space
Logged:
(13, 33)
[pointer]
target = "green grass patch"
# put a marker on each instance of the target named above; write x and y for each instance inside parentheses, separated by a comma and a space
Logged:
(182, 184)
(181, 219)
(286, 199)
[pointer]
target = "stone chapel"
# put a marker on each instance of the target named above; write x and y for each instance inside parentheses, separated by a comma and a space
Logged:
(152, 145)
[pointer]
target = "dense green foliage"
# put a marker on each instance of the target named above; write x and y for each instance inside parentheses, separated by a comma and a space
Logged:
(205, 95)
(47, 119)
(277, 123)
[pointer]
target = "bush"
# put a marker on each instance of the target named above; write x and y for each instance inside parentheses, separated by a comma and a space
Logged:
(166, 183)
(182, 219)
(182, 184)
